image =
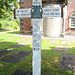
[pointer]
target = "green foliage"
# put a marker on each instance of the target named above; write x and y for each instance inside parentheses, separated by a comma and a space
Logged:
(15, 26)
(6, 7)
(6, 14)
(12, 23)
(16, 4)
(9, 24)
(8, 17)
(3, 23)
(17, 21)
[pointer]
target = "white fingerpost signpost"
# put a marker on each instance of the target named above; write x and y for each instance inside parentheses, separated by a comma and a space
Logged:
(37, 13)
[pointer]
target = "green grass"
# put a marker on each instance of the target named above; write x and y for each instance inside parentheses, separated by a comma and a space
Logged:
(9, 31)
(50, 60)
(7, 41)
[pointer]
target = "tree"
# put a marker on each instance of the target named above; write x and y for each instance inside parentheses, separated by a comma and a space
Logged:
(6, 7)
(16, 4)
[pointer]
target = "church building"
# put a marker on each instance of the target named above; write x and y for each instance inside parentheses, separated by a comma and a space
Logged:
(67, 22)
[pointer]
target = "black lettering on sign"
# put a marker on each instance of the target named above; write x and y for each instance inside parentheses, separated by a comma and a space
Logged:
(57, 13)
(51, 13)
(55, 9)
(36, 49)
(18, 11)
(45, 10)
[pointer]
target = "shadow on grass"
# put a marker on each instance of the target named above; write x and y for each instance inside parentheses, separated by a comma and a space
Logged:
(9, 68)
(9, 31)
(14, 32)
(51, 62)
(5, 44)
(4, 30)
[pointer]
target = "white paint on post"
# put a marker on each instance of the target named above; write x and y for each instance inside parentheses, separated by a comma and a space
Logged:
(37, 2)
(52, 12)
(64, 18)
(36, 46)
(22, 13)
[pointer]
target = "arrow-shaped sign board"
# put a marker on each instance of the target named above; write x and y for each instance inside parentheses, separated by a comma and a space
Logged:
(47, 12)
(22, 13)
(52, 12)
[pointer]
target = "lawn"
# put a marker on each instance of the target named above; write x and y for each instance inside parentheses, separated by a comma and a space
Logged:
(50, 60)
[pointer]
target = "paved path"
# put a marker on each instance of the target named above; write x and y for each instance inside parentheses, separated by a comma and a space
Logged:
(67, 37)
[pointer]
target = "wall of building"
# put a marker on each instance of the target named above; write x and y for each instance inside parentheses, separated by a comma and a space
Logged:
(25, 23)
(70, 8)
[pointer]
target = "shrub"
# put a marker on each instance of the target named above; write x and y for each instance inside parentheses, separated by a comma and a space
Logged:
(12, 23)
(4, 23)
(16, 26)
(17, 21)
(9, 24)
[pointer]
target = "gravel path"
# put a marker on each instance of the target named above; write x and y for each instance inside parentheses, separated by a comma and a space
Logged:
(66, 37)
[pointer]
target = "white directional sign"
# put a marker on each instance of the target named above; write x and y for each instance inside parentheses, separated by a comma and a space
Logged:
(52, 12)
(47, 12)
(21, 13)
(36, 13)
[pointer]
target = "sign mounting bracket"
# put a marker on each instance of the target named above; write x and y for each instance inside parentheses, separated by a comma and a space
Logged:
(36, 13)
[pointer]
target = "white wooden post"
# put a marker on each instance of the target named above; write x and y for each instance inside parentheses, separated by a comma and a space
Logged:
(36, 46)
(37, 41)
